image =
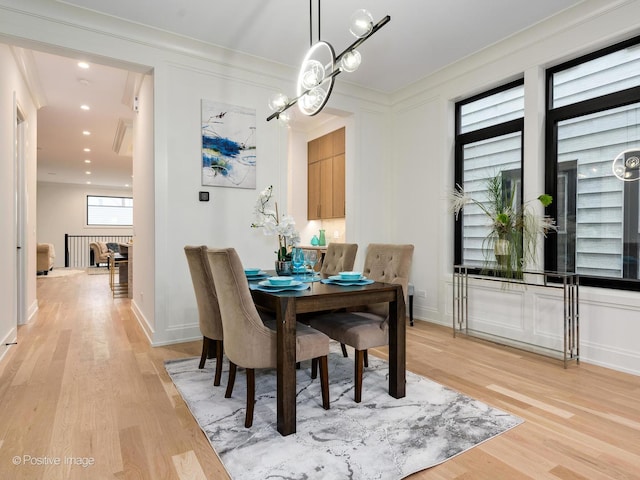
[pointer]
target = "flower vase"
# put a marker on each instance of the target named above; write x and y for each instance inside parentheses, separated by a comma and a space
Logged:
(322, 240)
(502, 251)
(284, 268)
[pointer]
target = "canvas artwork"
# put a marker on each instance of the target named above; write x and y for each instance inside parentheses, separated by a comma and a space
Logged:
(228, 145)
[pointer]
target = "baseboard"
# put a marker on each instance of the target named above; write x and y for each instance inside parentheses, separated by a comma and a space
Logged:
(7, 342)
(142, 321)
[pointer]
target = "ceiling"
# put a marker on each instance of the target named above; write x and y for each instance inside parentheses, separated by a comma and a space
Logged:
(422, 37)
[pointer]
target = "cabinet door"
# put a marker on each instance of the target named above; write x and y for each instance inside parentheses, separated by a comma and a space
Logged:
(338, 183)
(313, 191)
(326, 188)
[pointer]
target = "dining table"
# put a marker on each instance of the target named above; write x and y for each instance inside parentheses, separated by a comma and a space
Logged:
(322, 297)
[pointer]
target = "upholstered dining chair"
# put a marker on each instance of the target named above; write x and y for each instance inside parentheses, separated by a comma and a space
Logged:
(339, 257)
(248, 342)
(367, 327)
(208, 310)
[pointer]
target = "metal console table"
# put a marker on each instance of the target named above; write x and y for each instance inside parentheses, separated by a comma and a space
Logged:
(567, 281)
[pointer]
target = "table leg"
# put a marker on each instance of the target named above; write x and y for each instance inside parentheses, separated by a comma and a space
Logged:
(397, 346)
(286, 366)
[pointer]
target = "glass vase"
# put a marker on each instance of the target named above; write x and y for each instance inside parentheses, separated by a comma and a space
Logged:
(284, 268)
(322, 241)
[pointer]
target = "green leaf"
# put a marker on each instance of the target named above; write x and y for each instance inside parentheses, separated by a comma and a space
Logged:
(545, 199)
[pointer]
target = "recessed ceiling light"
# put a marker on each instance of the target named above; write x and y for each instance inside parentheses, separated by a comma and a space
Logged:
(88, 172)
(87, 149)
(85, 107)
(87, 161)
(84, 65)
(126, 184)
(88, 183)
(86, 132)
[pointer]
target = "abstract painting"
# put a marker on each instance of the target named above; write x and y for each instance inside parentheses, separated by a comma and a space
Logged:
(228, 145)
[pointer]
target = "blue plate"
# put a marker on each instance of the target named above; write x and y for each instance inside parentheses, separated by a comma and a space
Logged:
(273, 289)
(257, 276)
(337, 280)
(267, 284)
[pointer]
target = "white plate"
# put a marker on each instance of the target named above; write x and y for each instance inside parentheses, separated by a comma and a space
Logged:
(268, 284)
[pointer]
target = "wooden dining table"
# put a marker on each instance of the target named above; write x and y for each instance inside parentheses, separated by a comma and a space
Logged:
(322, 297)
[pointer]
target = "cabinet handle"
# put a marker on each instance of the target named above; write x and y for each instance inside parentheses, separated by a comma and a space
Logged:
(318, 211)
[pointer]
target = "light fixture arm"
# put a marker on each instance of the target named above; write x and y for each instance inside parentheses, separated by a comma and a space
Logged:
(295, 100)
(335, 60)
(360, 41)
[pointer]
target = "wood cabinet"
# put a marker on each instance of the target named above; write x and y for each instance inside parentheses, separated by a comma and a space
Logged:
(326, 176)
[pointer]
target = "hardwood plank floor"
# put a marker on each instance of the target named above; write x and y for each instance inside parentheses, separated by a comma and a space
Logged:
(84, 388)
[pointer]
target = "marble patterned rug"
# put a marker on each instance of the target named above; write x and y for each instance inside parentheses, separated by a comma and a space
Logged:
(380, 438)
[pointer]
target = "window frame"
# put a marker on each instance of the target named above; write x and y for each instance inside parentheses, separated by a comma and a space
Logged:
(485, 133)
(553, 116)
(106, 225)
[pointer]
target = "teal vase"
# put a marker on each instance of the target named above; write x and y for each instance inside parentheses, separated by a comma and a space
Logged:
(322, 241)
(315, 241)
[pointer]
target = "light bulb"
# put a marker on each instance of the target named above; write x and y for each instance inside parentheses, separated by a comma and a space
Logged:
(313, 74)
(278, 101)
(312, 100)
(351, 61)
(361, 23)
(284, 118)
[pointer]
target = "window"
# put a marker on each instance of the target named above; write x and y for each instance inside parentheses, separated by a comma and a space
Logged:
(489, 135)
(593, 115)
(116, 211)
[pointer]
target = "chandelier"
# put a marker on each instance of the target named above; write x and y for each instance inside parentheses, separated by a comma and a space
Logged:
(321, 65)
(626, 165)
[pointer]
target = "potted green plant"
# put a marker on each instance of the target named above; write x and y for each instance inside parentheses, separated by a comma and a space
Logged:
(514, 227)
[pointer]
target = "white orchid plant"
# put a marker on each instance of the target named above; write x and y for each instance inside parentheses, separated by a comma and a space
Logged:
(268, 218)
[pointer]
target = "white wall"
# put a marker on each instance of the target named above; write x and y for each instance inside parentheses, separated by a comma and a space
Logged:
(62, 209)
(14, 93)
(144, 238)
(423, 145)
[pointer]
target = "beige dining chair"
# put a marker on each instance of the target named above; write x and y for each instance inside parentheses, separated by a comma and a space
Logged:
(340, 257)
(368, 326)
(208, 310)
(248, 342)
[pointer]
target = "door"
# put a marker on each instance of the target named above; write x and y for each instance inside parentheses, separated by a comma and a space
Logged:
(20, 214)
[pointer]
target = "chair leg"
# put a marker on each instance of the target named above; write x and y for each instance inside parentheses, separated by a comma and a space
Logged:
(314, 368)
(251, 396)
(218, 346)
(344, 350)
(213, 347)
(324, 381)
(366, 358)
(232, 380)
(206, 342)
(358, 366)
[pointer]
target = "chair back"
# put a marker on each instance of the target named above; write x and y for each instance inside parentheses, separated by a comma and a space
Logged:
(388, 263)
(247, 341)
(340, 257)
(206, 298)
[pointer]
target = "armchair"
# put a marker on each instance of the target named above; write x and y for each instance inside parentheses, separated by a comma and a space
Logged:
(100, 253)
(45, 256)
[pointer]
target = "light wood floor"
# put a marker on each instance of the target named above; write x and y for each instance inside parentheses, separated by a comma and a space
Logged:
(83, 385)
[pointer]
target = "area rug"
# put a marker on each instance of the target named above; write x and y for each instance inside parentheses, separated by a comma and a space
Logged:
(60, 272)
(380, 438)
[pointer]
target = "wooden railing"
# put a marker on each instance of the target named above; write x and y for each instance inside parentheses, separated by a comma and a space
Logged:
(77, 252)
